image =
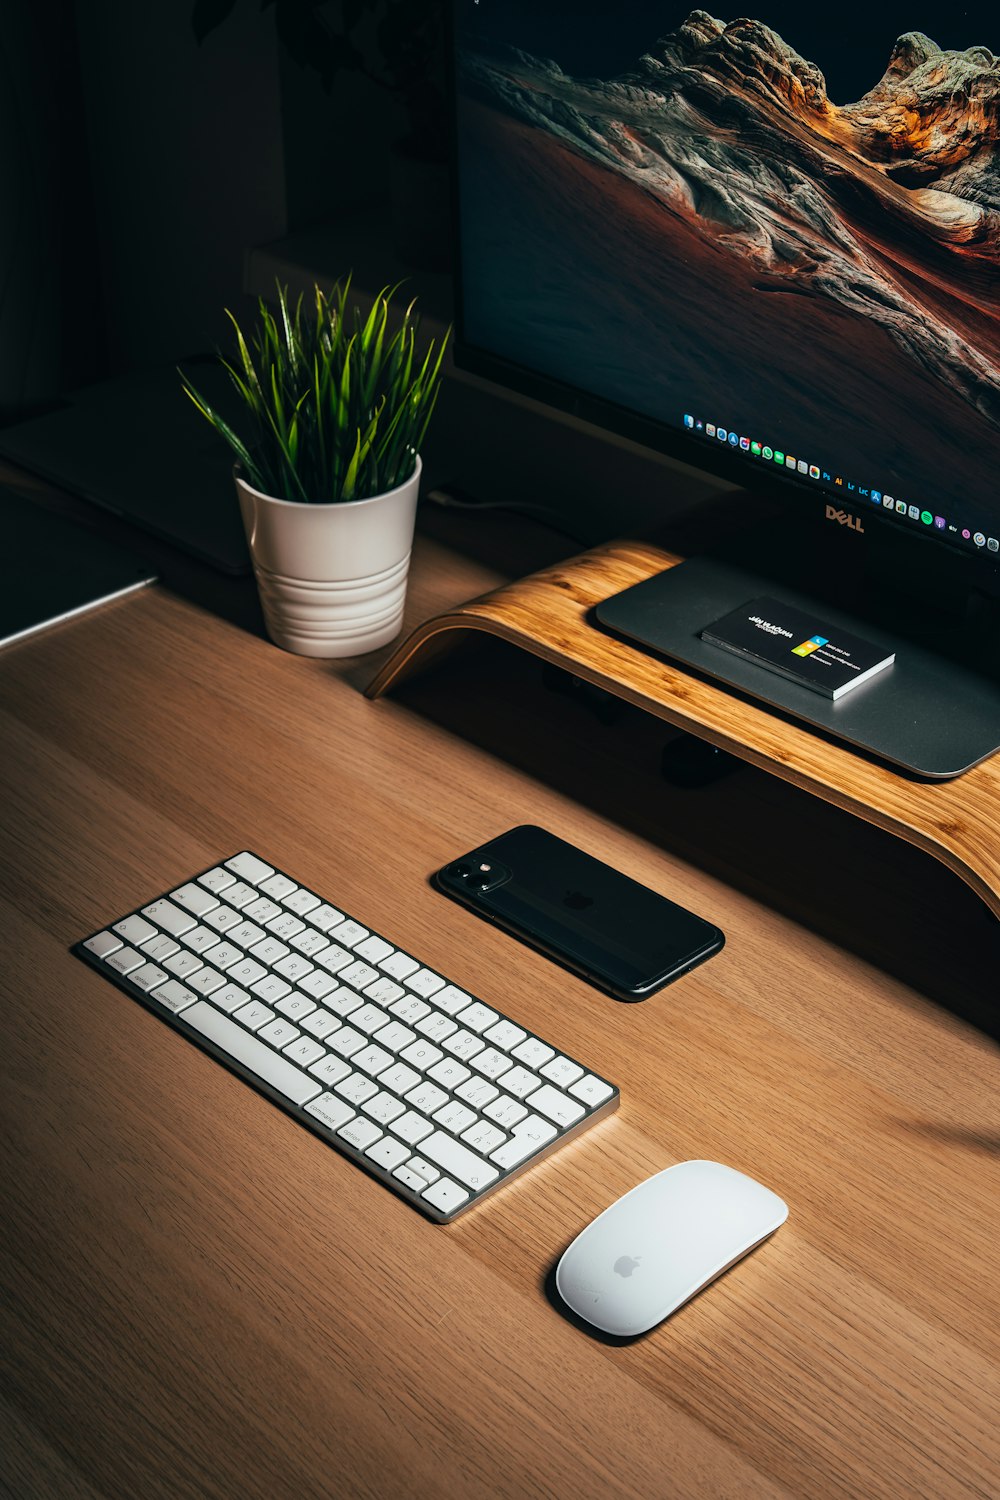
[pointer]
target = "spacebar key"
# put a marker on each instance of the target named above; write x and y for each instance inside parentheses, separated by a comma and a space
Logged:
(246, 1049)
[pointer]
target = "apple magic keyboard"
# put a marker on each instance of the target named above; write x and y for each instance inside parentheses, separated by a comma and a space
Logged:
(436, 1094)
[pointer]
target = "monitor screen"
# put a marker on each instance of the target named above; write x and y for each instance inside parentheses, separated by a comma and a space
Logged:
(776, 238)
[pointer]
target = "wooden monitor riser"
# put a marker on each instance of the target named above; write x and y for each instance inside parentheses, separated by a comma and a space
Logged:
(547, 614)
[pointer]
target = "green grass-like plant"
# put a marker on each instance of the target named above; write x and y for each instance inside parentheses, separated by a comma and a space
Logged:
(336, 406)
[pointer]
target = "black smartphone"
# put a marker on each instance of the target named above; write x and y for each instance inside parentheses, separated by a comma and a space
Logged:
(617, 933)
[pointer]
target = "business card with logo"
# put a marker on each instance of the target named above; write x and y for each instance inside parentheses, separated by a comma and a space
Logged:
(799, 646)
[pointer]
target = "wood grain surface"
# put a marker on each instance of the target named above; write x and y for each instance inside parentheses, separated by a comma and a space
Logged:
(549, 614)
(202, 1300)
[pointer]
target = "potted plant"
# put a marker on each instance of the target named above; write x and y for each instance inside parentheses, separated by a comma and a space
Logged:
(336, 407)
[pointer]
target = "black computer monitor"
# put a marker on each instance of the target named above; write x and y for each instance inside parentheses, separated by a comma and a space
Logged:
(769, 246)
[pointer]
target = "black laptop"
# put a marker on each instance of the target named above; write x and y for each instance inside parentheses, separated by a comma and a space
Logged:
(138, 447)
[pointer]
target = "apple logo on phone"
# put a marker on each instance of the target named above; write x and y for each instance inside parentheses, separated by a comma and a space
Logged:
(577, 900)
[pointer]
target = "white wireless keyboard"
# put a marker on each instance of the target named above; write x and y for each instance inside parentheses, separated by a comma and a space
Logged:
(438, 1095)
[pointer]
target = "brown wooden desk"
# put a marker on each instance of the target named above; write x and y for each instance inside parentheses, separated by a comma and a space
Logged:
(202, 1300)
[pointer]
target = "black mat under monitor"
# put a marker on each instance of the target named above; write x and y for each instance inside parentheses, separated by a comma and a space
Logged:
(52, 569)
(932, 714)
(137, 447)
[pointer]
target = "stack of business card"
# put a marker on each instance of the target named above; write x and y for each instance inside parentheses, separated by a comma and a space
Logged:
(785, 640)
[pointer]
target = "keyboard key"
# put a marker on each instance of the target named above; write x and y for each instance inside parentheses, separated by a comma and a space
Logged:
(170, 917)
(295, 1006)
(436, 1026)
(373, 950)
(248, 867)
(349, 933)
(199, 939)
(532, 1052)
(240, 895)
(271, 989)
(222, 918)
(230, 998)
(451, 999)
(294, 967)
(395, 1036)
(449, 1073)
(246, 934)
(134, 930)
(369, 1019)
(318, 984)
(476, 1017)
(254, 1015)
(484, 1137)
(125, 961)
(358, 975)
(421, 1054)
(217, 880)
(330, 1070)
(346, 1041)
(161, 947)
(563, 1072)
(388, 1153)
(384, 991)
(399, 965)
(206, 981)
(278, 887)
(321, 1024)
(262, 910)
(310, 941)
(279, 1033)
(174, 995)
(555, 1105)
(194, 898)
(301, 901)
(344, 1002)
(409, 1179)
(399, 1078)
(424, 1169)
(409, 1008)
(455, 1117)
(246, 972)
(304, 1052)
(181, 963)
(591, 1091)
(446, 1195)
(149, 975)
(284, 927)
(331, 1111)
(269, 950)
(425, 983)
(505, 1111)
(257, 1056)
(223, 955)
(334, 958)
(458, 1161)
(426, 1097)
(505, 1035)
(411, 1127)
(324, 917)
(373, 1060)
(360, 1133)
(464, 1044)
(491, 1063)
(384, 1107)
(357, 1088)
(477, 1092)
(529, 1136)
(519, 1082)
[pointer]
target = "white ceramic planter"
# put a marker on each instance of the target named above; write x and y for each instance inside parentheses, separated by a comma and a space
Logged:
(332, 578)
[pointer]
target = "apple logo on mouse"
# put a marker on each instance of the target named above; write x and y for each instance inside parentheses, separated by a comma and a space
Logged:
(577, 900)
(626, 1264)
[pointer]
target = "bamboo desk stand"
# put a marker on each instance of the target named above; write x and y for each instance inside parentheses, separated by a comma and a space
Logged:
(957, 822)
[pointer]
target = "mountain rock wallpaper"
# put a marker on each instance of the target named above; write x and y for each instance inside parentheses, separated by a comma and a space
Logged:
(707, 231)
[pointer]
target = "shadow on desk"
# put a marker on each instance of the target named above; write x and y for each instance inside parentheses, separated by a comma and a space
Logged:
(840, 878)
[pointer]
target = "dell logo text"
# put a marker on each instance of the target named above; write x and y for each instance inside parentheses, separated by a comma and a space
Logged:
(853, 523)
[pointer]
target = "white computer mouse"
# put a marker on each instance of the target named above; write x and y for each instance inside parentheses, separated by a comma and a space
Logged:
(643, 1257)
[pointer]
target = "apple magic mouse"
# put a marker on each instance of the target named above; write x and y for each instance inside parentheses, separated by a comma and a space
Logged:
(647, 1254)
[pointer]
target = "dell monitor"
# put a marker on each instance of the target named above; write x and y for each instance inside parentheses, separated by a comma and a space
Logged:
(770, 246)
